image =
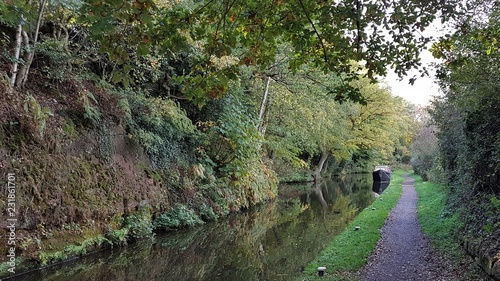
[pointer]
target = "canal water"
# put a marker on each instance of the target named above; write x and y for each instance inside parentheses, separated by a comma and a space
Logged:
(272, 242)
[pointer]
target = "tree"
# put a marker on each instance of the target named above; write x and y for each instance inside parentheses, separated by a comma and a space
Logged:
(382, 126)
(306, 120)
(468, 115)
(329, 36)
(425, 150)
(28, 17)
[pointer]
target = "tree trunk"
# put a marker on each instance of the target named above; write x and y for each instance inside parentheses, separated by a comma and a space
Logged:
(318, 190)
(28, 58)
(263, 109)
(17, 52)
(319, 168)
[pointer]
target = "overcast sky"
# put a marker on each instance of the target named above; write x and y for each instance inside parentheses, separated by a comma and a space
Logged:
(424, 88)
(422, 91)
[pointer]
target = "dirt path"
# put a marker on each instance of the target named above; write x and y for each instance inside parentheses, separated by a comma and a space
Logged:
(403, 253)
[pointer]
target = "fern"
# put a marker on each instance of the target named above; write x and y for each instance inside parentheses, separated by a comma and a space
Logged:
(37, 114)
(91, 113)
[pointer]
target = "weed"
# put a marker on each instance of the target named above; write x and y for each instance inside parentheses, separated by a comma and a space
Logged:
(69, 129)
(207, 213)
(118, 236)
(139, 224)
(91, 112)
(71, 250)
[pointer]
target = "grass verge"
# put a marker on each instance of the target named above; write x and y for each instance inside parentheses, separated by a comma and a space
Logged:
(437, 222)
(445, 227)
(349, 251)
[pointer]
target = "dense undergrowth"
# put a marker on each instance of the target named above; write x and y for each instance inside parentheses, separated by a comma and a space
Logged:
(103, 167)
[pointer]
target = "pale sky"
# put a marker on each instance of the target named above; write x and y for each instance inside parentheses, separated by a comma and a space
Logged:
(424, 88)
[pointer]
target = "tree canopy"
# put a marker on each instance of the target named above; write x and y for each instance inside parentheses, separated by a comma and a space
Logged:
(329, 35)
(467, 115)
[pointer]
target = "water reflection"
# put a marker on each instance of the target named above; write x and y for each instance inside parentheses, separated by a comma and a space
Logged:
(380, 186)
(272, 242)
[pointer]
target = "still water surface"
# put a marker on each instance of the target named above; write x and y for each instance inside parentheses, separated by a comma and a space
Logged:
(271, 242)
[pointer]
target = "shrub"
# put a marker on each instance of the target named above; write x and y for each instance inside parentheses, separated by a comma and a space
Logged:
(232, 142)
(57, 66)
(180, 216)
(139, 224)
(207, 213)
(36, 117)
(161, 127)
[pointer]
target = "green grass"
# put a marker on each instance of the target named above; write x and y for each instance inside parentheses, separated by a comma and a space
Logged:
(438, 223)
(349, 251)
(445, 227)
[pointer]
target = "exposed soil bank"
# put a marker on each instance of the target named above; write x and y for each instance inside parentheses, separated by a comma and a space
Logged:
(81, 187)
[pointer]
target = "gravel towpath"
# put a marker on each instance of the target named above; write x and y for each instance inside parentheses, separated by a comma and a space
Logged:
(403, 253)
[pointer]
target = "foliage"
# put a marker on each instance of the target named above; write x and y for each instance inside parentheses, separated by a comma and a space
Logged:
(444, 225)
(58, 60)
(425, 150)
(36, 116)
(91, 112)
(382, 128)
(72, 250)
(232, 141)
(165, 57)
(467, 116)
(468, 126)
(160, 126)
(139, 224)
(117, 237)
(207, 213)
(305, 121)
(327, 36)
(179, 217)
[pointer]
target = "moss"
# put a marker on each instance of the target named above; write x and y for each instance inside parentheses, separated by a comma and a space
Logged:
(69, 129)
(72, 250)
(84, 195)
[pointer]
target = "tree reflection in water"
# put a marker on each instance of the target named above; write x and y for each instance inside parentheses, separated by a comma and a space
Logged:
(270, 242)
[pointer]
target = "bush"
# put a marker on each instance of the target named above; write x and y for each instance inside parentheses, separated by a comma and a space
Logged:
(232, 142)
(161, 127)
(180, 216)
(56, 65)
(139, 224)
(207, 213)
